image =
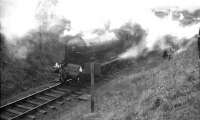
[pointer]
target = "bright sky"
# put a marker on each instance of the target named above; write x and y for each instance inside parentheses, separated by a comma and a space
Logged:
(19, 15)
(88, 14)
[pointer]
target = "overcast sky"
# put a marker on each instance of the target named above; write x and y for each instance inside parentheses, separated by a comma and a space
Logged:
(18, 16)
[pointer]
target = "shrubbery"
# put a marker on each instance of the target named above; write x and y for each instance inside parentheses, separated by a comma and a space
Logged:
(19, 74)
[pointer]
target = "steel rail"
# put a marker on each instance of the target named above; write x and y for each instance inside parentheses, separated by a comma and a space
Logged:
(31, 110)
(23, 98)
(3, 108)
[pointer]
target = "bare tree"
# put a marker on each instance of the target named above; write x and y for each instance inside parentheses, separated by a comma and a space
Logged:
(44, 14)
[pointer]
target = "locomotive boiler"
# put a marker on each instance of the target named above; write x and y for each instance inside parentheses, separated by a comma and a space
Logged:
(79, 55)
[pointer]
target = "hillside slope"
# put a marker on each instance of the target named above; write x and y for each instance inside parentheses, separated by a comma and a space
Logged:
(173, 91)
(169, 91)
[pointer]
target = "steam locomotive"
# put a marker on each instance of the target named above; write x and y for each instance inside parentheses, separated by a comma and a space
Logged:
(78, 56)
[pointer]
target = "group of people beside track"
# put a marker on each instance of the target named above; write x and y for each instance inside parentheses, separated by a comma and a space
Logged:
(168, 53)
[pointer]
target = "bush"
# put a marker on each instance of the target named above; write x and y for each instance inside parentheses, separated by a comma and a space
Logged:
(18, 74)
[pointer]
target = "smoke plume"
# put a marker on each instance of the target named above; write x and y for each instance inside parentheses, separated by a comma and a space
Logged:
(97, 21)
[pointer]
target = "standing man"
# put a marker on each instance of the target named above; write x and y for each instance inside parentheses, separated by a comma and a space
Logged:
(168, 53)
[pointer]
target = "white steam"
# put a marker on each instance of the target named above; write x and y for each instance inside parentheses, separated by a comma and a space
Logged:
(20, 16)
(157, 29)
(94, 38)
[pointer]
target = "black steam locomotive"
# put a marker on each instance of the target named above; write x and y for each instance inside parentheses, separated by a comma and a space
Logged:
(78, 56)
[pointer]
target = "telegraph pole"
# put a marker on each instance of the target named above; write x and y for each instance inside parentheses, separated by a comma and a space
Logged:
(199, 43)
(92, 85)
(199, 51)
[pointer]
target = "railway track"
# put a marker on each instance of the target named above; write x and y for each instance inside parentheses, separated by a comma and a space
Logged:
(25, 107)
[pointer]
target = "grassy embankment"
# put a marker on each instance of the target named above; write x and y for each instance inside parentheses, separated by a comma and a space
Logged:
(169, 91)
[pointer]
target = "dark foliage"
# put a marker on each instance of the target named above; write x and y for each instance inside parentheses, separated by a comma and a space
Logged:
(19, 74)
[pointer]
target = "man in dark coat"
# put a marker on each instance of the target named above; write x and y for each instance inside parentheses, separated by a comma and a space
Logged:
(167, 54)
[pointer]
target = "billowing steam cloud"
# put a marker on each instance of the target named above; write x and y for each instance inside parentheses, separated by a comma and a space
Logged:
(176, 18)
(165, 31)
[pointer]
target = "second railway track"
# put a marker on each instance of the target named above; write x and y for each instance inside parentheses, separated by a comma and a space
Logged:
(25, 106)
